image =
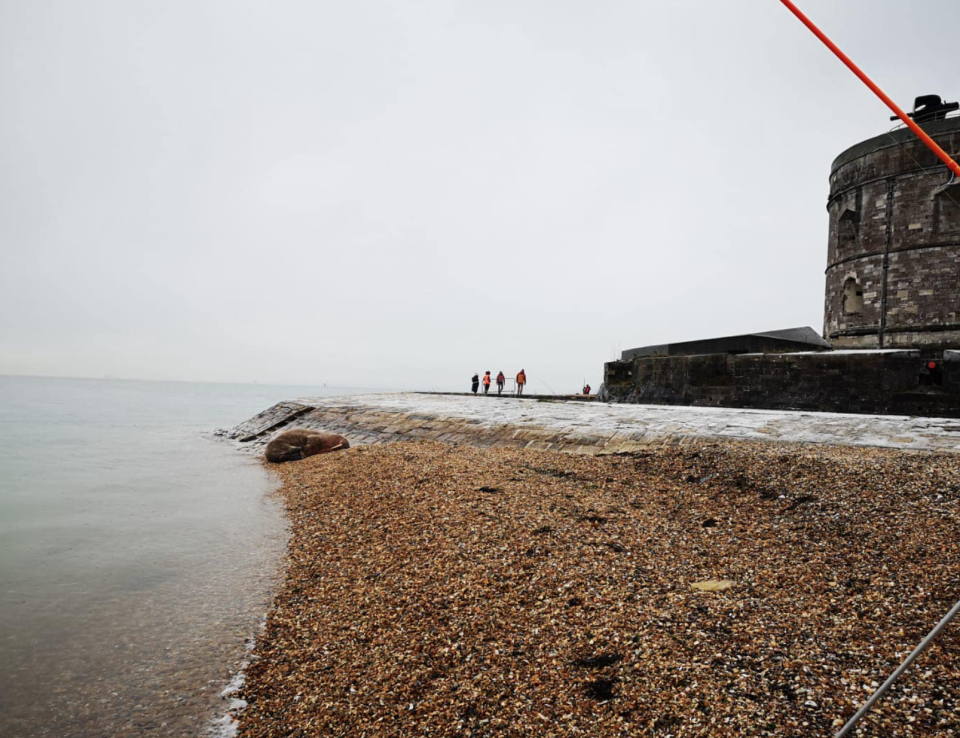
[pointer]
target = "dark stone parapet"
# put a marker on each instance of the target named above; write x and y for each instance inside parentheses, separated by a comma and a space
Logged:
(790, 339)
(894, 139)
(870, 382)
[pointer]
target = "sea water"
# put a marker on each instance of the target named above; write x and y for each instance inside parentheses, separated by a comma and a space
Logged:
(137, 553)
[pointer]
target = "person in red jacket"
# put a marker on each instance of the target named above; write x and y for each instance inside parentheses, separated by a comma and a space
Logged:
(486, 383)
(501, 380)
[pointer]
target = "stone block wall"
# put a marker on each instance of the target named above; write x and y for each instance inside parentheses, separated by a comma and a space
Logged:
(895, 383)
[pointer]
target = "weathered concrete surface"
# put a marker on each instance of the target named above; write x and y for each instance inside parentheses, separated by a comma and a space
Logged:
(577, 427)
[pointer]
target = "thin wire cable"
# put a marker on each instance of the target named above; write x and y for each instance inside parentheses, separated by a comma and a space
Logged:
(848, 62)
(851, 723)
(552, 390)
(924, 169)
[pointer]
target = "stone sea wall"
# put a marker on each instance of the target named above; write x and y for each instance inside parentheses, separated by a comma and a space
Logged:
(370, 423)
(578, 427)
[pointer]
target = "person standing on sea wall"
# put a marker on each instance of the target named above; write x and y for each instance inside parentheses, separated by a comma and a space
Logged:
(521, 380)
(501, 380)
(486, 383)
(476, 383)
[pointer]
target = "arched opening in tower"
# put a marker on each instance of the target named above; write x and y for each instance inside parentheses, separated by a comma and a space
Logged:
(852, 297)
(847, 227)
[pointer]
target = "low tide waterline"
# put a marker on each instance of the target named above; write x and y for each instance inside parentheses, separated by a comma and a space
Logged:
(137, 553)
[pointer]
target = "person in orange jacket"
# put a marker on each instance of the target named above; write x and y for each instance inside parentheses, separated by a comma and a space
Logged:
(501, 380)
(521, 380)
(486, 383)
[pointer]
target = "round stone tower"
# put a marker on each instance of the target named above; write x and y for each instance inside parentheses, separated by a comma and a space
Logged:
(893, 265)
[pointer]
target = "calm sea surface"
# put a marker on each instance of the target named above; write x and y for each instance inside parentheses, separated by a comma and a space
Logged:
(136, 553)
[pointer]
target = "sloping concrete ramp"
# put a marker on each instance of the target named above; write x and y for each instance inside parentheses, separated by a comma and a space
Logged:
(577, 427)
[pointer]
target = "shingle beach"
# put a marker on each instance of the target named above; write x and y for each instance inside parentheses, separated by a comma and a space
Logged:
(451, 591)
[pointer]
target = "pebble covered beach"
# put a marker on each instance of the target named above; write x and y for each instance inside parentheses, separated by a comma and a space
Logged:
(452, 591)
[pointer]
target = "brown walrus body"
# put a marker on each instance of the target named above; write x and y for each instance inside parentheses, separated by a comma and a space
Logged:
(299, 444)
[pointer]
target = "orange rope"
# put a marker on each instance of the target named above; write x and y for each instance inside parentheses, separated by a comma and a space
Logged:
(921, 134)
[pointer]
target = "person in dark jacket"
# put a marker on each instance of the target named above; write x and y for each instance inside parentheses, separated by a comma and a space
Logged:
(476, 383)
(501, 380)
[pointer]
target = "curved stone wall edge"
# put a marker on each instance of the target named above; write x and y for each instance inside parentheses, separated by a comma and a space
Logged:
(893, 139)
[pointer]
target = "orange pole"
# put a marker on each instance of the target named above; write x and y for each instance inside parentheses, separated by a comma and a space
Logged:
(921, 134)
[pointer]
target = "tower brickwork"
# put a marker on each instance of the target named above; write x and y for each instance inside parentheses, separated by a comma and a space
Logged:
(893, 265)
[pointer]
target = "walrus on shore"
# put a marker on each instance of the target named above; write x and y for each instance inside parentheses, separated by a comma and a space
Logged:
(297, 444)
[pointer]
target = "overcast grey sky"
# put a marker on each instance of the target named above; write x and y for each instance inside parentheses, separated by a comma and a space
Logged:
(400, 193)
